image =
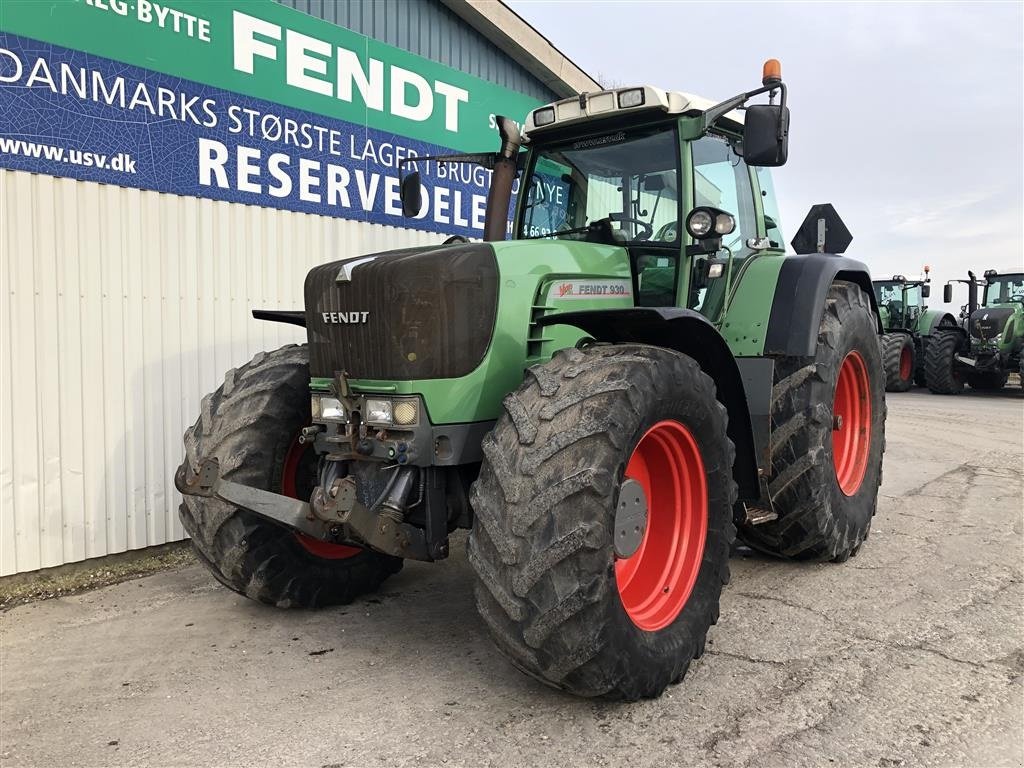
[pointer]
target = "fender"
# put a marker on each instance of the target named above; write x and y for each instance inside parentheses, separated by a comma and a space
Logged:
(934, 320)
(689, 332)
(800, 296)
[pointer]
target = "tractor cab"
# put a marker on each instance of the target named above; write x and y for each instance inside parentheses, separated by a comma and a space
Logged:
(901, 301)
(679, 182)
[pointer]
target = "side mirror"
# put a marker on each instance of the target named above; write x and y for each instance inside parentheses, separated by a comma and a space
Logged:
(411, 195)
(766, 135)
(926, 291)
(947, 293)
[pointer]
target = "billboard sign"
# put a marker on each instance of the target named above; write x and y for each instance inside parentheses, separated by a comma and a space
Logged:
(248, 102)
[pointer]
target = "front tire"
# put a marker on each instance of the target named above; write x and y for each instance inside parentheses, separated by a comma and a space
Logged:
(828, 437)
(898, 361)
(557, 600)
(250, 424)
(941, 369)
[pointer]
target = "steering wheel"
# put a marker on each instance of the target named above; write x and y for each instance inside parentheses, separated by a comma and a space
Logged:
(667, 233)
(648, 230)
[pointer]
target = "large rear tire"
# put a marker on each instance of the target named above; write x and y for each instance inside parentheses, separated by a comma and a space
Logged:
(828, 437)
(898, 361)
(940, 366)
(250, 424)
(558, 601)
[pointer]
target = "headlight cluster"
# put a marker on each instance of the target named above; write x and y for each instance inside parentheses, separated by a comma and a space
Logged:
(376, 411)
(706, 222)
(392, 412)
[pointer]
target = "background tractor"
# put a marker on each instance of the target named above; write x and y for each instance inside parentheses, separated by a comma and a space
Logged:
(603, 400)
(986, 348)
(909, 328)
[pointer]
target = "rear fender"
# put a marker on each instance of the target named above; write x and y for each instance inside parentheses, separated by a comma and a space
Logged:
(800, 299)
(933, 320)
(690, 333)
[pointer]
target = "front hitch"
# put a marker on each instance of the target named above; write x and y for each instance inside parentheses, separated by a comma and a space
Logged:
(336, 516)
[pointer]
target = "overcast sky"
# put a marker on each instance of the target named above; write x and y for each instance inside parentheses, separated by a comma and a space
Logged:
(908, 117)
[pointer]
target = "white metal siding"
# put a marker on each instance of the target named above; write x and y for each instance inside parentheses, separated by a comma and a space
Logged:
(121, 308)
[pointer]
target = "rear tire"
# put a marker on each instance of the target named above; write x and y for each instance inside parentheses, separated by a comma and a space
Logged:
(899, 361)
(250, 424)
(824, 494)
(548, 583)
(940, 366)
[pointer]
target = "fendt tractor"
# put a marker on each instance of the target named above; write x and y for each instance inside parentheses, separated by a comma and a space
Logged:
(909, 328)
(986, 348)
(603, 400)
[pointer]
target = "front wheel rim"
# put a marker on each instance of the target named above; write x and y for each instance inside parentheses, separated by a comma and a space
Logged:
(851, 423)
(655, 582)
(290, 487)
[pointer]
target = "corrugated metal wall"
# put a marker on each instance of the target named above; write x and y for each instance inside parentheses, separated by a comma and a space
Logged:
(121, 308)
(428, 29)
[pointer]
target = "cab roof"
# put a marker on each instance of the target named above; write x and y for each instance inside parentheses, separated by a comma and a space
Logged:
(601, 104)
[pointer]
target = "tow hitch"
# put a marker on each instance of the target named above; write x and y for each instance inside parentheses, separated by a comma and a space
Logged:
(335, 516)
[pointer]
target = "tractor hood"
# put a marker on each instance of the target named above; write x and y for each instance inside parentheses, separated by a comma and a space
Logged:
(989, 322)
(415, 313)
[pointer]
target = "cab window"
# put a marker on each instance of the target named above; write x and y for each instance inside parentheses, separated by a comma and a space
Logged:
(722, 180)
(770, 208)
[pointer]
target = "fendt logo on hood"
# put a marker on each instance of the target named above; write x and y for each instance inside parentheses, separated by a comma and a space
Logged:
(345, 318)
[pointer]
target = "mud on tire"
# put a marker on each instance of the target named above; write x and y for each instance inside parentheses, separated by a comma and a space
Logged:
(544, 503)
(249, 424)
(817, 520)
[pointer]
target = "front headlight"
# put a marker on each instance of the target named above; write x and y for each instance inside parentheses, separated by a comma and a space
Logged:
(406, 411)
(378, 412)
(328, 409)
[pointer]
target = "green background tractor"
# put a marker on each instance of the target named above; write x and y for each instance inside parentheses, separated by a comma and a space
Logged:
(909, 328)
(986, 348)
(603, 399)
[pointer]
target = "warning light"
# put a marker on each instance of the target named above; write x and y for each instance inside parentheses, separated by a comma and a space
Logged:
(772, 72)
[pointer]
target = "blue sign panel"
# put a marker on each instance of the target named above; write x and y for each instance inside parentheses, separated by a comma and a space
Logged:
(68, 113)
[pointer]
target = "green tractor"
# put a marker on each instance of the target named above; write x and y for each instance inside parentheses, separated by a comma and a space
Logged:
(603, 400)
(909, 328)
(986, 349)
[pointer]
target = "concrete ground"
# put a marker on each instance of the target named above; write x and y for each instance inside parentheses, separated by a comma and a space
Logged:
(910, 654)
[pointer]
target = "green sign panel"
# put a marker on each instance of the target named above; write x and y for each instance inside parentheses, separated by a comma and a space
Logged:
(262, 49)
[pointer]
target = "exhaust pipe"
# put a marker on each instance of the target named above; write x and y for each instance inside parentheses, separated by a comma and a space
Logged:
(500, 194)
(972, 294)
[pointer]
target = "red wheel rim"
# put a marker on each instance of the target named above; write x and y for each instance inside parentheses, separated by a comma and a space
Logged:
(289, 487)
(906, 360)
(851, 426)
(655, 582)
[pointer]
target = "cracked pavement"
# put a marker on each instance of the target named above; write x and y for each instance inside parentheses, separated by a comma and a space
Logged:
(910, 654)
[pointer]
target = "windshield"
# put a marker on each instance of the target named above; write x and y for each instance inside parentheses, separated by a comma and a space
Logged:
(889, 292)
(1005, 288)
(628, 182)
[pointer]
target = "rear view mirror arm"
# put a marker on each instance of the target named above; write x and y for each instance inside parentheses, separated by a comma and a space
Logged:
(736, 102)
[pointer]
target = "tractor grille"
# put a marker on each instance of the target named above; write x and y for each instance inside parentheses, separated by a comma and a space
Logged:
(987, 323)
(417, 313)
